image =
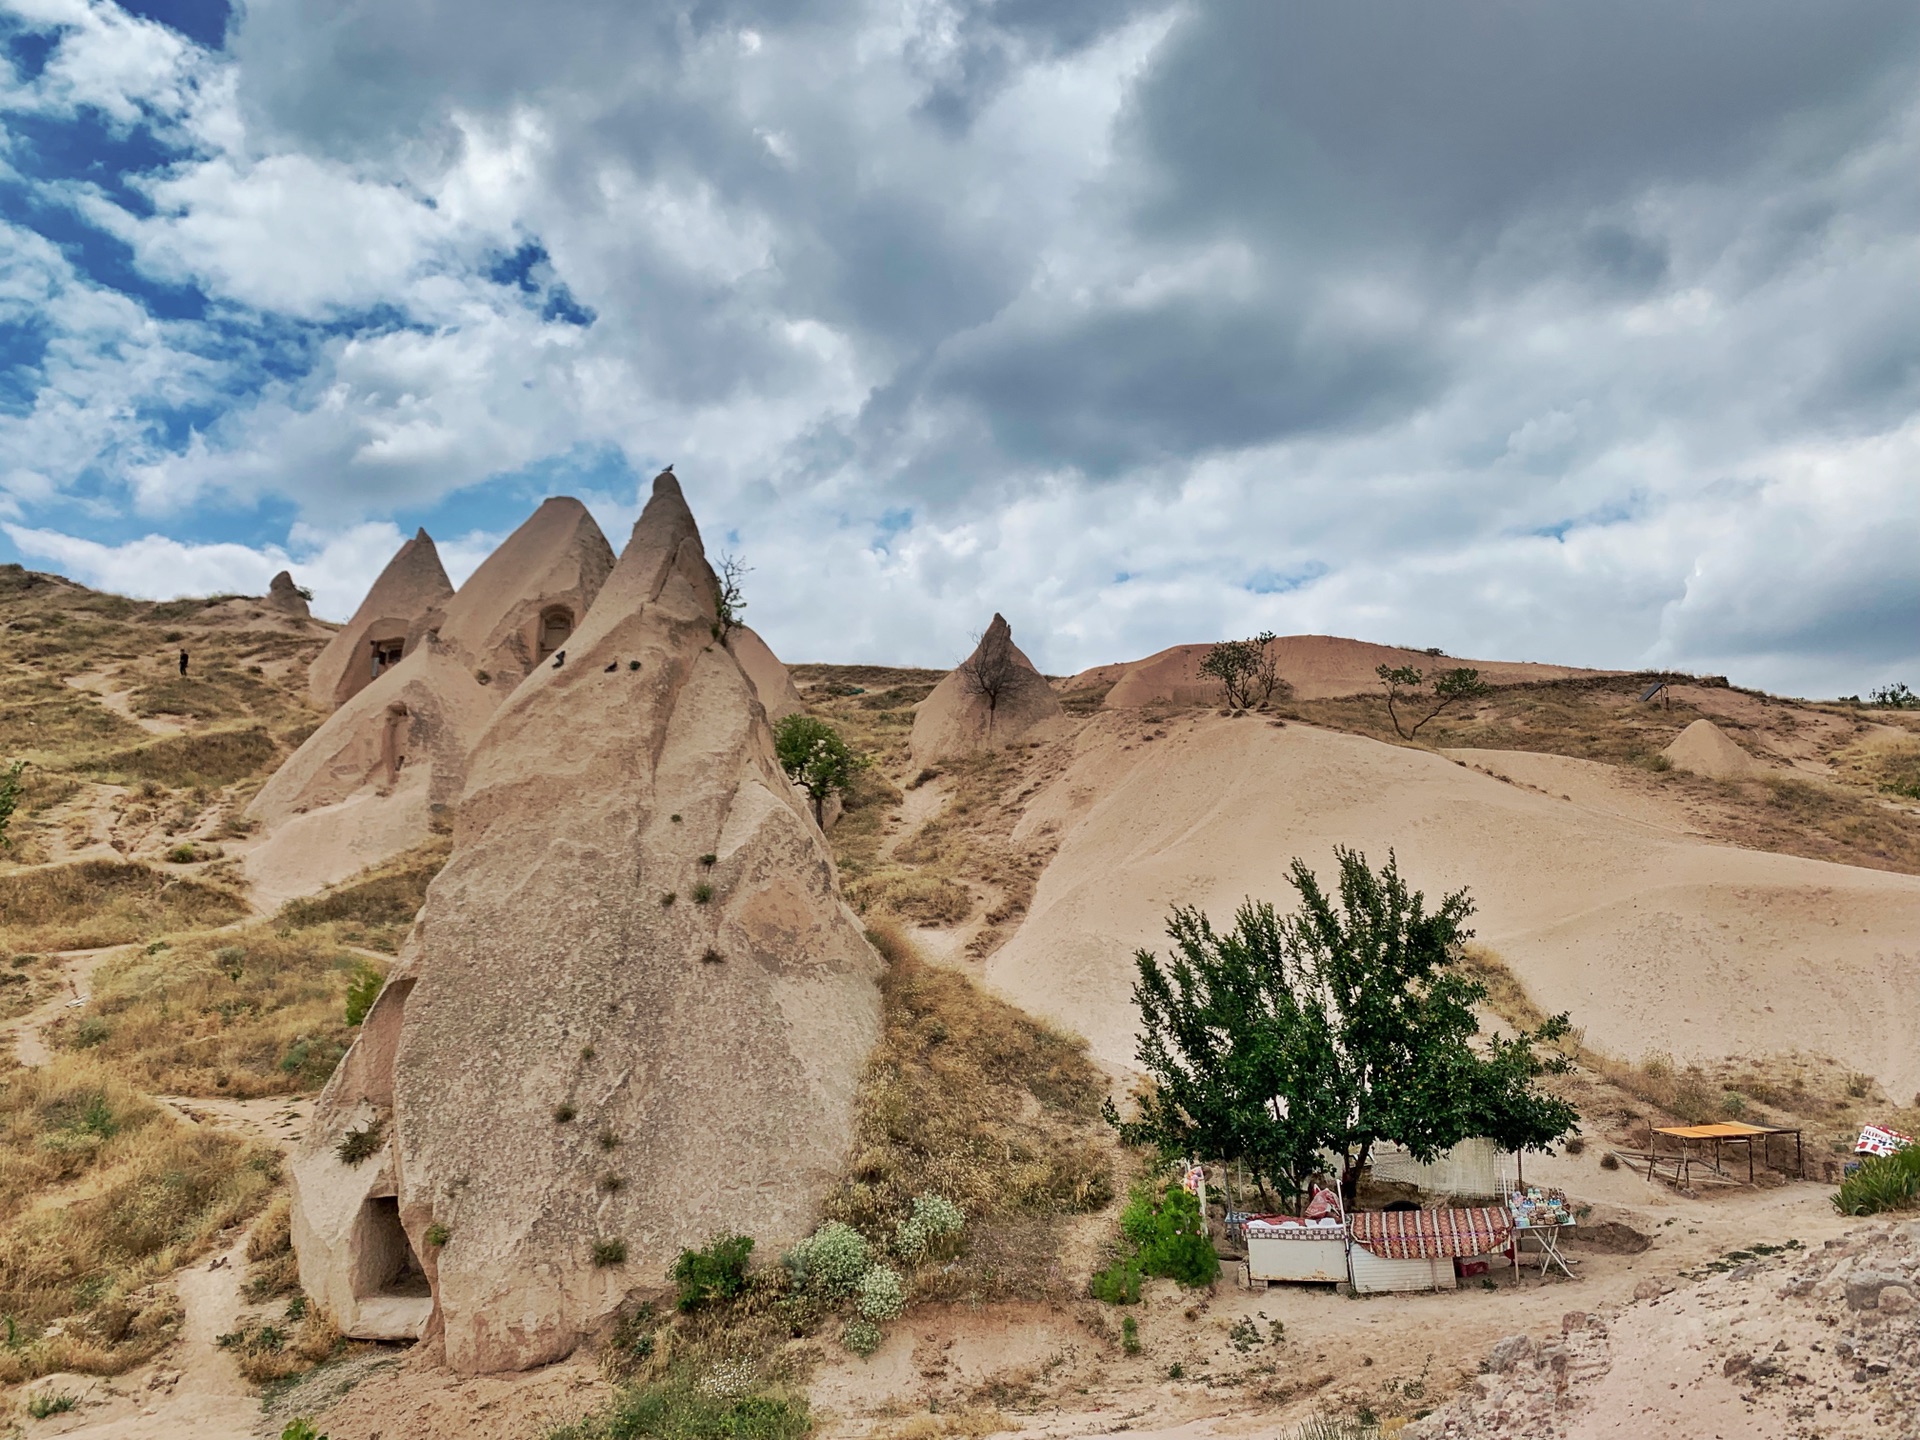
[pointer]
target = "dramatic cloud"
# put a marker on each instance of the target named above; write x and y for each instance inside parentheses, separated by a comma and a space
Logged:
(1558, 329)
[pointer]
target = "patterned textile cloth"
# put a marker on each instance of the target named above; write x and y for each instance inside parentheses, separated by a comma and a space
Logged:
(1433, 1234)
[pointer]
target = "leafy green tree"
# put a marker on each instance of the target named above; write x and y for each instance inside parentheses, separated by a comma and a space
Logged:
(1344, 1024)
(1895, 697)
(9, 799)
(1248, 670)
(816, 759)
(1449, 687)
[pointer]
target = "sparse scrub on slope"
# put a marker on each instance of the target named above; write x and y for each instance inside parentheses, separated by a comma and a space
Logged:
(258, 1011)
(104, 902)
(157, 1194)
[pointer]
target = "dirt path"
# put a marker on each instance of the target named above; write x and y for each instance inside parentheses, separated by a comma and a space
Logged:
(193, 1392)
(99, 684)
(74, 979)
(270, 1120)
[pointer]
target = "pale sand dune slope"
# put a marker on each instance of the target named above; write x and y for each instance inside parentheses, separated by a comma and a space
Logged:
(1654, 940)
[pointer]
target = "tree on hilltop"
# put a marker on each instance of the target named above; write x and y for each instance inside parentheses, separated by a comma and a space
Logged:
(1248, 670)
(1449, 687)
(1344, 1024)
(990, 671)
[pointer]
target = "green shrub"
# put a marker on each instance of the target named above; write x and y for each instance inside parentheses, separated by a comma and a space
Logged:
(702, 893)
(47, 1403)
(1130, 1335)
(300, 1428)
(861, 1336)
(678, 1409)
(882, 1296)
(1883, 1182)
(1119, 1283)
(829, 1261)
(362, 1144)
(1168, 1236)
(438, 1234)
(934, 1223)
(609, 1252)
(718, 1272)
(363, 988)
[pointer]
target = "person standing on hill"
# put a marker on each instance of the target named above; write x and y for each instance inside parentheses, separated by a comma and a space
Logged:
(183, 662)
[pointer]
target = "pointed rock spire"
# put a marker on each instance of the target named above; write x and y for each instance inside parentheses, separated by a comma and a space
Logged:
(550, 996)
(994, 697)
(413, 583)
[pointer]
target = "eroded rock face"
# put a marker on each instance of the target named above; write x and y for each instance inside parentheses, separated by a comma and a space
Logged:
(557, 1022)
(413, 584)
(285, 596)
(992, 698)
(389, 763)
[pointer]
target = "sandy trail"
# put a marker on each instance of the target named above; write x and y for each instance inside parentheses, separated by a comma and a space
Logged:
(75, 978)
(99, 684)
(193, 1392)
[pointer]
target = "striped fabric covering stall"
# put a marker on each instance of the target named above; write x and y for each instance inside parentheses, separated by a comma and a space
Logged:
(1433, 1234)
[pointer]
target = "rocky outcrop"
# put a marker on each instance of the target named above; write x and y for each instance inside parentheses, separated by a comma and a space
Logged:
(772, 686)
(633, 1013)
(1704, 749)
(413, 584)
(994, 697)
(389, 763)
(285, 596)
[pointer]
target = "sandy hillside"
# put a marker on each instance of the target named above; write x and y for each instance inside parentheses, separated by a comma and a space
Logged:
(1315, 666)
(1656, 940)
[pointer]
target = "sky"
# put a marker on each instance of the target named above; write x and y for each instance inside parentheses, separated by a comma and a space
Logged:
(1572, 330)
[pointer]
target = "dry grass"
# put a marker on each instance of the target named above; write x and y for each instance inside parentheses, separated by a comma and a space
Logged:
(104, 902)
(244, 1013)
(376, 907)
(207, 760)
(105, 1195)
(970, 1098)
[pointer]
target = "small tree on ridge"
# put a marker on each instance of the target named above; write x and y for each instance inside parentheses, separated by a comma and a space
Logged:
(816, 759)
(1449, 687)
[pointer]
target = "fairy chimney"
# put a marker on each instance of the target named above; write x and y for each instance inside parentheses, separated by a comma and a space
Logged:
(636, 902)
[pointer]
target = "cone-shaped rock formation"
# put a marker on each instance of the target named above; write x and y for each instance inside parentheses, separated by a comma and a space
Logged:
(1704, 749)
(390, 762)
(636, 963)
(285, 596)
(771, 684)
(413, 584)
(993, 697)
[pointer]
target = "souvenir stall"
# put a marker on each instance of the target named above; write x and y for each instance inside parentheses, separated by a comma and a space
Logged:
(1307, 1248)
(1545, 1216)
(1415, 1249)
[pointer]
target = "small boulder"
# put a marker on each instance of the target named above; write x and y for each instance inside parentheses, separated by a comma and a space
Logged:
(1736, 1365)
(1896, 1300)
(1509, 1354)
(1864, 1287)
(1649, 1289)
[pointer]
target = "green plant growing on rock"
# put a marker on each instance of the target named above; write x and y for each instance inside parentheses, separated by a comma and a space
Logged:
(362, 1144)
(48, 1403)
(717, 1272)
(861, 1336)
(438, 1235)
(609, 1252)
(363, 988)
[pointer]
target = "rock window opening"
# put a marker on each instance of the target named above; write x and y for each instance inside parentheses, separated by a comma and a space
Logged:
(384, 1262)
(386, 654)
(555, 627)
